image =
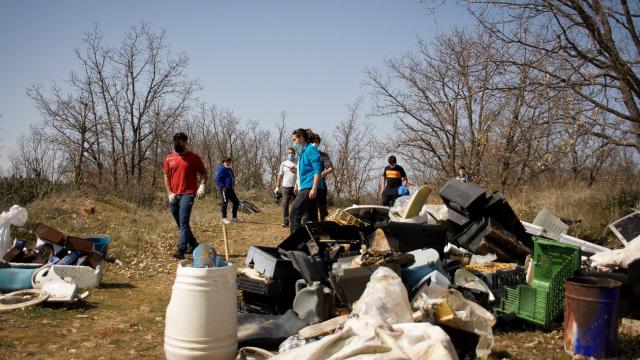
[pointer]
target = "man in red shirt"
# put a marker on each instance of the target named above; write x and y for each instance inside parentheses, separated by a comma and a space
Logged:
(181, 169)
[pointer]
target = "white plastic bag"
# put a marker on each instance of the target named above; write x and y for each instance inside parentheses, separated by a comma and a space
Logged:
(17, 216)
(385, 296)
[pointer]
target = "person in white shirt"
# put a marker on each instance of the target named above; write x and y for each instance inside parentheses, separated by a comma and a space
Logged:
(286, 182)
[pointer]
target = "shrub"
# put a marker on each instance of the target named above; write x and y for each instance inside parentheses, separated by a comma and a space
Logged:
(21, 191)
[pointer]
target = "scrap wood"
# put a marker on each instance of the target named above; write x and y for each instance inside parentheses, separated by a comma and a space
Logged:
(253, 274)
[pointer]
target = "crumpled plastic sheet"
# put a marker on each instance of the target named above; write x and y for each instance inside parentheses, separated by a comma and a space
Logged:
(16, 216)
(385, 296)
(620, 258)
(449, 307)
(370, 337)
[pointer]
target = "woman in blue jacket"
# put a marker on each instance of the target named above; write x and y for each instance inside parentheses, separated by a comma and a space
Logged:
(225, 180)
(308, 182)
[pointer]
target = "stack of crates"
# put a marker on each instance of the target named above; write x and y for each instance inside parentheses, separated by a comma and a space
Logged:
(543, 300)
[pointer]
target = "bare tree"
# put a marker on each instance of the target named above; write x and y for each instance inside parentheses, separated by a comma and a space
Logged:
(589, 47)
(353, 155)
(277, 148)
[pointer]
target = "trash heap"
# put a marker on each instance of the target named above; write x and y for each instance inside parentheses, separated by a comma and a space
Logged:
(414, 279)
(55, 270)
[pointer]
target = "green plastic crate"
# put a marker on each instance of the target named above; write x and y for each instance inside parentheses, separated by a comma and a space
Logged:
(543, 300)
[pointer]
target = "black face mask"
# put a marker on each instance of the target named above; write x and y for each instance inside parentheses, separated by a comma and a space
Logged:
(178, 148)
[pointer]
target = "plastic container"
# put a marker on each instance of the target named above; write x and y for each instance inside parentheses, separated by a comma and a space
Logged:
(591, 316)
(426, 261)
(201, 319)
(543, 301)
(17, 276)
(100, 244)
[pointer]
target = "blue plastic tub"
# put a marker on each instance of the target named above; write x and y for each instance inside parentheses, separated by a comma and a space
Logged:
(100, 244)
(17, 276)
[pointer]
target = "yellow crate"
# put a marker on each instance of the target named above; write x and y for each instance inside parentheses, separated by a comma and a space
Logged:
(344, 218)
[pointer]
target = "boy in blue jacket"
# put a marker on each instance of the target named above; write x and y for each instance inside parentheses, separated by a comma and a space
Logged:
(225, 180)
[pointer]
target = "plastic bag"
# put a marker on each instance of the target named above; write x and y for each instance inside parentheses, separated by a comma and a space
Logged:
(620, 258)
(385, 296)
(462, 314)
(17, 216)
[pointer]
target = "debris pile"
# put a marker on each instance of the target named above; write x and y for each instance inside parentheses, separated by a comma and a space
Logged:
(55, 270)
(417, 278)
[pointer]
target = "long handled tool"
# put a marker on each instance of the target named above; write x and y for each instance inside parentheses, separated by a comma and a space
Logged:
(226, 243)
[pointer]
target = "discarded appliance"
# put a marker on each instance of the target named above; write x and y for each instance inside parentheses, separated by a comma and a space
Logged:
(552, 225)
(627, 228)
(406, 237)
(465, 198)
(204, 331)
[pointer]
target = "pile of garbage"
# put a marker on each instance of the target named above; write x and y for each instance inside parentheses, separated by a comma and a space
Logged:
(55, 270)
(419, 281)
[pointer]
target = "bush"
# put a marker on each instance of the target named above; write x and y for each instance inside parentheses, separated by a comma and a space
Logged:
(143, 196)
(624, 201)
(21, 191)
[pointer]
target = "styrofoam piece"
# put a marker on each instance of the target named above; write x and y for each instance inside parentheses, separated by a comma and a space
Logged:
(533, 229)
(585, 246)
(83, 276)
(627, 228)
(552, 224)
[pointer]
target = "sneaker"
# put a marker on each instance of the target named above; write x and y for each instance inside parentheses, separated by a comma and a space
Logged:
(235, 220)
(285, 225)
(226, 221)
(178, 255)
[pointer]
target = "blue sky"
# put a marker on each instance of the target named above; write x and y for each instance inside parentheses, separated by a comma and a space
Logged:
(255, 57)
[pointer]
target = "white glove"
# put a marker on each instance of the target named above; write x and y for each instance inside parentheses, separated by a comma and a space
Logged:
(172, 198)
(200, 192)
(277, 189)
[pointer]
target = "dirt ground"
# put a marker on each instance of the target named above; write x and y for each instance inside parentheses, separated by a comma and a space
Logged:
(124, 319)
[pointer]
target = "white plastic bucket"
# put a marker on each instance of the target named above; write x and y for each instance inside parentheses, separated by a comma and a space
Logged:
(201, 320)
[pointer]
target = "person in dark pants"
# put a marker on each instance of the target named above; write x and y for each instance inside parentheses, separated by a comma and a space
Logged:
(327, 169)
(181, 169)
(286, 182)
(308, 183)
(225, 180)
(393, 176)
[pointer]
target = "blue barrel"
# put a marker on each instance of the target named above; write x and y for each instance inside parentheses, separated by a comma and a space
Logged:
(591, 316)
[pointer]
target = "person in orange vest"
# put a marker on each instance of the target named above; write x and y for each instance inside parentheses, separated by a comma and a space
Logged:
(392, 177)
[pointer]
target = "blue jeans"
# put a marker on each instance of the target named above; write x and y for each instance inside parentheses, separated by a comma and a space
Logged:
(181, 211)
